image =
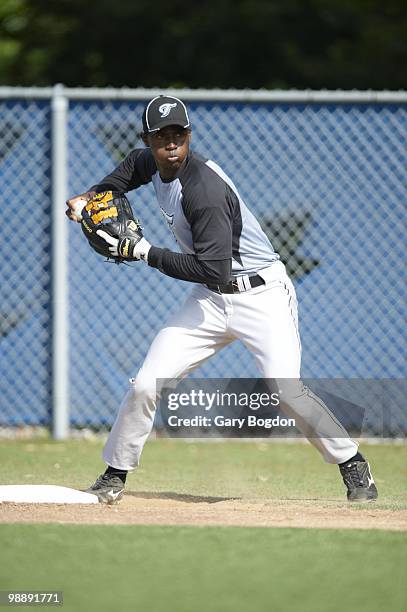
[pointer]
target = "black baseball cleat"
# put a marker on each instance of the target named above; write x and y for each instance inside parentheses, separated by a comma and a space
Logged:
(359, 481)
(109, 489)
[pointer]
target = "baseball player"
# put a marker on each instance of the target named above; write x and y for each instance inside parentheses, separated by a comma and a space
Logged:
(240, 290)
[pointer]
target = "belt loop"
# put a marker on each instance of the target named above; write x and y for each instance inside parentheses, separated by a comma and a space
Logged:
(246, 282)
(241, 283)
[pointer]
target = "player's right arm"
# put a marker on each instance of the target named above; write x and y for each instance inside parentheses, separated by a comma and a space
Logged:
(135, 170)
(76, 203)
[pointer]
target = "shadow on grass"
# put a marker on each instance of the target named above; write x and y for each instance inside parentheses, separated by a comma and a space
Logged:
(184, 497)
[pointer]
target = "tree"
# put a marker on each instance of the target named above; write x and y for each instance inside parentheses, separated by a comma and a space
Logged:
(231, 43)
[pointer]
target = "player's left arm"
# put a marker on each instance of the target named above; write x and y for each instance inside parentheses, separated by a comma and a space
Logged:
(188, 267)
(208, 266)
(210, 218)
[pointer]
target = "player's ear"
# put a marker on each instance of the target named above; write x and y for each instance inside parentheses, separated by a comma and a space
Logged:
(144, 138)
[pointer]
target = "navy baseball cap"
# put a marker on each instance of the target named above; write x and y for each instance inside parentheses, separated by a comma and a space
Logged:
(162, 111)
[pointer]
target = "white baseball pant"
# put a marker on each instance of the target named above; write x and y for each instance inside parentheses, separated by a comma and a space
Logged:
(265, 318)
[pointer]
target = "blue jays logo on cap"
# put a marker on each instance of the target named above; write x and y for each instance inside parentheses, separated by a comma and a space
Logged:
(165, 109)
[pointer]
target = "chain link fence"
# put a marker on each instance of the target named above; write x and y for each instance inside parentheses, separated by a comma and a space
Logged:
(327, 180)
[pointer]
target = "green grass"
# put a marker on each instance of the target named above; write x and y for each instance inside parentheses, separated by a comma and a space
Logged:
(213, 569)
(254, 470)
(184, 569)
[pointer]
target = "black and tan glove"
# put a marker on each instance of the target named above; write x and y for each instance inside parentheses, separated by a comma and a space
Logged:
(111, 228)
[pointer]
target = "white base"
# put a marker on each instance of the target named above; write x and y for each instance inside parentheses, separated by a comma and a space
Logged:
(45, 494)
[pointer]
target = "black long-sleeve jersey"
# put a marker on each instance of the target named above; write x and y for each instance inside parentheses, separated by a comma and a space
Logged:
(217, 234)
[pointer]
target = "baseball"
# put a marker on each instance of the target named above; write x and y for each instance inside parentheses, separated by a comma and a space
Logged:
(78, 206)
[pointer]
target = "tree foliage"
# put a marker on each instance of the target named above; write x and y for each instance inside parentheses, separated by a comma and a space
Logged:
(228, 43)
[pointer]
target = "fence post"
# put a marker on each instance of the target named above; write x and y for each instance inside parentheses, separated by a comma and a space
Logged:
(59, 254)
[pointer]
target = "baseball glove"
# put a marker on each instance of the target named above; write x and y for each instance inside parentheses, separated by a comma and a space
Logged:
(108, 219)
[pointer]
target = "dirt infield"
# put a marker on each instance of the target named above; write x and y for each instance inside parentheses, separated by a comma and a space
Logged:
(177, 509)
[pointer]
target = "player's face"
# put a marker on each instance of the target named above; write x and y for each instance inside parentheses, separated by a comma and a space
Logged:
(170, 147)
